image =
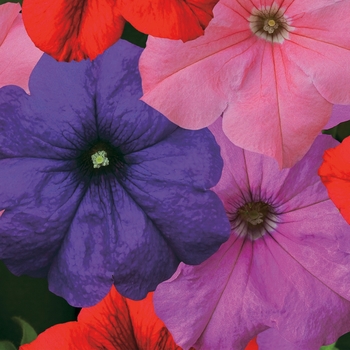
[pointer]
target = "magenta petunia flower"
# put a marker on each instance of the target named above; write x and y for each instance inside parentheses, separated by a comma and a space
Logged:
(286, 265)
(18, 55)
(272, 68)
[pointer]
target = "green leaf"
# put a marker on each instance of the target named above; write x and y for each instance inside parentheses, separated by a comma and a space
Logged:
(28, 332)
(6, 345)
(329, 347)
(339, 132)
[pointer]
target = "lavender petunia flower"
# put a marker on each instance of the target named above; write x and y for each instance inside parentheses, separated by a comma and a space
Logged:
(99, 187)
(286, 265)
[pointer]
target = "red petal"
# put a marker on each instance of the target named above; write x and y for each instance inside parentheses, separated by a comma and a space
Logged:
(335, 175)
(151, 334)
(111, 320)
(252, 345)
(65, 336)
(114, 323)
(127, 322)
(173, 19)
(72, 29)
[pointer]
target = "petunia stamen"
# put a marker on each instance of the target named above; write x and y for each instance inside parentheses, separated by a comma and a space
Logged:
(99, 159)
(270, 23)
(253, 219)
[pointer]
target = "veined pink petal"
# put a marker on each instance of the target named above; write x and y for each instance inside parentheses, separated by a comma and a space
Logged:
(283, 103)
(274, 93)
(18, 55)
(320, 48)
(198, 100)
(8, 13)
(297, 8)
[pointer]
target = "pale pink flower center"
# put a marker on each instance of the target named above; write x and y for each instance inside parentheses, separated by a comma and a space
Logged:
(270, 23)
(253, 220)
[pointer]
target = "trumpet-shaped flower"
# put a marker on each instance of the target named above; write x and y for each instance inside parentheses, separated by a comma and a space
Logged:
(80, 29)
(115, 323)
(97, 187)
(273, 69)
(286, 265)
(18, 55)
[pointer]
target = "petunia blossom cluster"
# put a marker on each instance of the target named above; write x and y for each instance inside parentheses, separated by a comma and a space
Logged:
(111, 186)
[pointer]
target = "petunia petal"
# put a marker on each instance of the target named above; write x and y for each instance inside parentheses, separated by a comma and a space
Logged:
(323, 46)
(108, 232)
(197, 64)
(120, 117)
(8, 13)
(18, 55)
(273, 95)
(183, 20)
(41, 221)
(173, 206)
(73, 30)
(335, 175)
(65, 336)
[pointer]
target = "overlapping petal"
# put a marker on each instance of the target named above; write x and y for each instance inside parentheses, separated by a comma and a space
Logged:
(18, 55)
(107, 239)
(78, 29)
(294, 279)
(129, 223)
(255, 84)
(185, 20)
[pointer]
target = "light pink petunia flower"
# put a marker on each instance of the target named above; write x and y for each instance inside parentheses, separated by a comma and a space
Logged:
(286, 265)
(272, 68)
(18, 55)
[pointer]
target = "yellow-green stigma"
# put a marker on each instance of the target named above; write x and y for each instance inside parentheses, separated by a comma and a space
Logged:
(254, 213)
(99, 159)
(270, 26)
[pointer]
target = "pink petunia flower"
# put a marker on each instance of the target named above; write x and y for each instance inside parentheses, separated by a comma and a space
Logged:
(18, 55)
(272, 68)
(286, 265)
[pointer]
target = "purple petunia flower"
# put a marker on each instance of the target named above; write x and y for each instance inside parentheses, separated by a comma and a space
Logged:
(99, 187)
(285, 267)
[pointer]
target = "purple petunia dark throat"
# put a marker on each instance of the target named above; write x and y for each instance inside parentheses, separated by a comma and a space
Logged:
(99, 188)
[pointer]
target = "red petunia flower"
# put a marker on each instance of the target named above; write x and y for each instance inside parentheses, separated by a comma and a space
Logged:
(335, 175)
(77, 29)
(115, 323)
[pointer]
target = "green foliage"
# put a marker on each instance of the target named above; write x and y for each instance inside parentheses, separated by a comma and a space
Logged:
(4, 2)
(329, 347)
(6, 345)
(339, 132)
(28, 332)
